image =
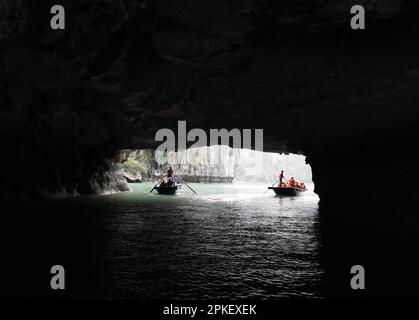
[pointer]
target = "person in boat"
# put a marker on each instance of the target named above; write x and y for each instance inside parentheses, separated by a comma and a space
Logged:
(170, 172)
(302, 185)
(163, 182)
(170, 182)
(292, 182)
(281, 176)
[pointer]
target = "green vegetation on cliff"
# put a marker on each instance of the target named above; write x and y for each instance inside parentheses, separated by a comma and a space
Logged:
(133, 167)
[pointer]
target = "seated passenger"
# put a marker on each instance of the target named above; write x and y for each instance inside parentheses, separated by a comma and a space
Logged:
(170, 182)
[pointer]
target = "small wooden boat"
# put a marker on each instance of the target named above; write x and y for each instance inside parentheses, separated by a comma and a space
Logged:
(163, 188)
(287, 191)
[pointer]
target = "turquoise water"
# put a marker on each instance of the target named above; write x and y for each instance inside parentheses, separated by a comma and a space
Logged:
(227, 241)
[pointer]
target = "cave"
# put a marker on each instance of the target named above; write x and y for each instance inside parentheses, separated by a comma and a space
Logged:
(214, 164)
(72, 101)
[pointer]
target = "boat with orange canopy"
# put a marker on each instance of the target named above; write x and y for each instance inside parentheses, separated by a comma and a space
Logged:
(287, 191)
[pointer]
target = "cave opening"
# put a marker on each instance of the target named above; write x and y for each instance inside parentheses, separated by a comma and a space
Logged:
(216, 164)
(233, 225)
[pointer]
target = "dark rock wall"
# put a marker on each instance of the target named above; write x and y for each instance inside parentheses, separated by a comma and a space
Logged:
(124, 69)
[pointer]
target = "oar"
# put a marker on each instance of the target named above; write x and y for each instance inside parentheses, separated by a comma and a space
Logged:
(274, 184)
(186, 185)
(154, 187)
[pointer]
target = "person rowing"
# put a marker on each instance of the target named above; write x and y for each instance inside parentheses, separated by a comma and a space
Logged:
(281, 176)
(170, 172)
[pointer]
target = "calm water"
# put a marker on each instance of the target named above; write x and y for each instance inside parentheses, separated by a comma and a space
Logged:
(227, 241)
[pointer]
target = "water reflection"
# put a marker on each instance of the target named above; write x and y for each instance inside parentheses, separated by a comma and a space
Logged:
(226, 242)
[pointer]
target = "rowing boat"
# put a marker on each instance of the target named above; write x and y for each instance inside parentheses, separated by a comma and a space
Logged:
(164, 188)
(287, 191)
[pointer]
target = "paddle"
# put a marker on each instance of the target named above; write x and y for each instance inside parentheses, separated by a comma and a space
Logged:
(275, 183)
(186, 185)
(154, 187)
(272, 186)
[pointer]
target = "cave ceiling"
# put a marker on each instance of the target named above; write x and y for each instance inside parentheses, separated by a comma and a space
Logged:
(124, 69)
